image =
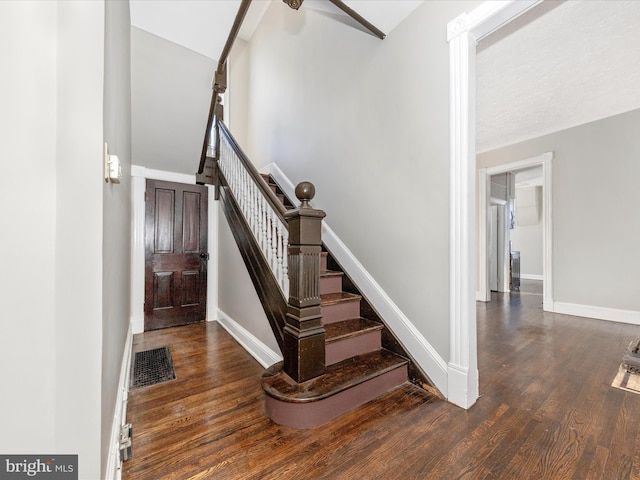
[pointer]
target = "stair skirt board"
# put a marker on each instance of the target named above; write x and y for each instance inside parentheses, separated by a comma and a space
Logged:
(317, 412)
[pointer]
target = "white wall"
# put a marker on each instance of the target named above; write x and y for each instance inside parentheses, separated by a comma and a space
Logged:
(116, 211)
(367, 121)
(79, 228)
(237, 97)
(171, 94)
(595, 198)
(28, 43)
(52, 202)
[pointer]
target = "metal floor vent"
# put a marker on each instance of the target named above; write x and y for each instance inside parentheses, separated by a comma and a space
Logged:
(151, 367)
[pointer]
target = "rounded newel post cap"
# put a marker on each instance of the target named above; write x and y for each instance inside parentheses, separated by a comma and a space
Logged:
(305, 191)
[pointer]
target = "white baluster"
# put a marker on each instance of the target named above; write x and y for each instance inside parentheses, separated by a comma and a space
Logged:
(269, 253)
(279, 253)
(263, 224)
(285, 262)
(274, 248)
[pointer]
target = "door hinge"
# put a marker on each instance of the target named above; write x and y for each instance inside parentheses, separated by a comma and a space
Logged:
(126, 436)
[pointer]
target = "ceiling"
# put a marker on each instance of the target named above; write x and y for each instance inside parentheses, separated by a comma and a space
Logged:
(203, 25)
(561, 64)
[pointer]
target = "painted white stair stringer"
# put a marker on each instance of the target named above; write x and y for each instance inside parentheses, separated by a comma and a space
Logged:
(426, 357)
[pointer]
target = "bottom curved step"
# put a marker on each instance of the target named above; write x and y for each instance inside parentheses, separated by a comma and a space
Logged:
(345, 386)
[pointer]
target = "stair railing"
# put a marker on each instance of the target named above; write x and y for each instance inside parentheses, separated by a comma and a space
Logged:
(261, 208)
(288, 242)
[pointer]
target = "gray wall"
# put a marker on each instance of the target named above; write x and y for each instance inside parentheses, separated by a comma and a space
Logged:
(595, 201)
(236, 295)
(171, 93)
(116, 252)
(367, 121)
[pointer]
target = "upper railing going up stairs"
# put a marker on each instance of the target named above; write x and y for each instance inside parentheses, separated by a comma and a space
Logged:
(279, 247)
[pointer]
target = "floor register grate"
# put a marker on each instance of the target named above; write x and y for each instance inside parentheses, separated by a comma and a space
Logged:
(152, 367)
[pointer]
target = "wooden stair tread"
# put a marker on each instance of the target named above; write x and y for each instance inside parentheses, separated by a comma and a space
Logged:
(338, 377)
(339, 297)
(350, 328)
(330, 273)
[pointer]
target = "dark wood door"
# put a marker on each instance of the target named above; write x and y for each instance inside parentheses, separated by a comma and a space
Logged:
(175, 254)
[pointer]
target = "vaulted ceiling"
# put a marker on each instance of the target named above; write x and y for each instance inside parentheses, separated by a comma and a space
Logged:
(203, 25)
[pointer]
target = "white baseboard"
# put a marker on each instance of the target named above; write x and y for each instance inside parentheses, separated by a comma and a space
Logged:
(463, 386)
(600, 313)
(114, 466)
(531, 276)
(420, 349)
(258, 350)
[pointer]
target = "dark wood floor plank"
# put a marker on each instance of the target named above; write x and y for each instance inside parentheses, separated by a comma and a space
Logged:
(546, 411)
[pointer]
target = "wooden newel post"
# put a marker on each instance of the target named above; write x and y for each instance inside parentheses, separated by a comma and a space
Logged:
(304, 335)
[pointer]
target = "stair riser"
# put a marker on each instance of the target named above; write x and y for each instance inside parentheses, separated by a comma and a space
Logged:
(349, 347)
(330, 285)
(340, 311)
(323, 263)
(314, 414)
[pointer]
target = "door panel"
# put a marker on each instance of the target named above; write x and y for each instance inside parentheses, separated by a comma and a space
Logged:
(175, 252)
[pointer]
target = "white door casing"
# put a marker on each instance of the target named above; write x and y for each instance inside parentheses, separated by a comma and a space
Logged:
(463, 33)
(484, 176)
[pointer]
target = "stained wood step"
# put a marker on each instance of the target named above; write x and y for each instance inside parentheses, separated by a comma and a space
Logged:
(345, 386)
(339, 306)
(330, 282)
(351, 337)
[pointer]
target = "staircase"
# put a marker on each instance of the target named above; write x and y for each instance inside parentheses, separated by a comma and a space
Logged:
(358, 369)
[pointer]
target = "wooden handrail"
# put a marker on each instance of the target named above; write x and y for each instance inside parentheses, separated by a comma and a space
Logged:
(275, 204)
(359, 18)
(220, 78)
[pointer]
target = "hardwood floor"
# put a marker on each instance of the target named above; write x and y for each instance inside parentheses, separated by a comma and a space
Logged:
(546, 411)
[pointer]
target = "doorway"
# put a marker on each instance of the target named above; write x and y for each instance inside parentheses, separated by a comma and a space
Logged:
(176, 255)
(539, 167)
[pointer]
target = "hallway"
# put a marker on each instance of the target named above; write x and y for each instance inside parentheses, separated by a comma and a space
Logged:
(546, 410)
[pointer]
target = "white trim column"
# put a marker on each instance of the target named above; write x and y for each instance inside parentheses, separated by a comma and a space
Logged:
(463, 34)
(483, 293)
(462, 367)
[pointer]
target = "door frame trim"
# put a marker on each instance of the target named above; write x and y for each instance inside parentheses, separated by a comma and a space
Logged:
(139, 177)
(463, 33)
(483, 293)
